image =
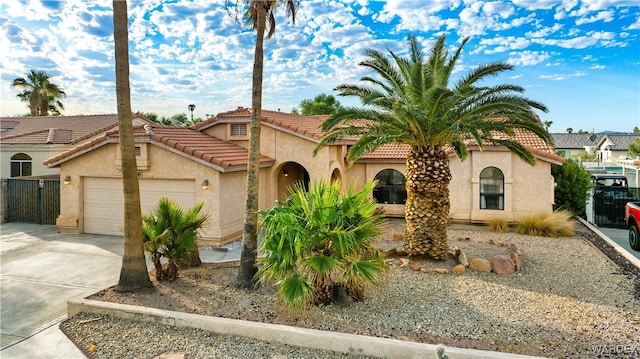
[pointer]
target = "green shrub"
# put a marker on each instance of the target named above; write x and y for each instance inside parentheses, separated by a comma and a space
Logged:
(318, 244)
(171, 232)
(498, 224)
(557, 224)
(573, 183)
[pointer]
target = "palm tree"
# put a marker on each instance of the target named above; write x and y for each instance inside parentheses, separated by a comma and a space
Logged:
(260, 15)
(412, 102)
(547, 124)
(41, 94)
(320, 240)
(171, 232)
(133, 273)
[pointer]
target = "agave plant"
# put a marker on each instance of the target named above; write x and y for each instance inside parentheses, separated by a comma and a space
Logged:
(171, 232)
(319, 241)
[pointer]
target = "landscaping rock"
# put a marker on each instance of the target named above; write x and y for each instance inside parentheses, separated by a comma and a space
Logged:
(415, 266)
(502, 264)
(516, 257)
(462, 259)
(480, 265)
(440, 270)
(173, 356)
(398, 237)
(459, 269)
(402, 262)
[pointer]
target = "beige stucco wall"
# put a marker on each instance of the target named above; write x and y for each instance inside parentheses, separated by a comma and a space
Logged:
(225, 222)
(38, 154)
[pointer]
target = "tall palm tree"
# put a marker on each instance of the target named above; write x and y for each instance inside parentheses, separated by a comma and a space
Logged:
(260, 15)
(133, 273)
(41, 94)
(411, 101)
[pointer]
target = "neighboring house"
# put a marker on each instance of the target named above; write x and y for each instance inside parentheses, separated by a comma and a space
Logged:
(26, 142)
(614, 146)
(208, 162)
(582, 146)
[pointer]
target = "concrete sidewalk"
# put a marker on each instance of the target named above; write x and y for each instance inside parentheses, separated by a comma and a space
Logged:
(41, 270)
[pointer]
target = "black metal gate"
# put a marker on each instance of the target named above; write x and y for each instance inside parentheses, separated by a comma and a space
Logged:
(33, 200)
(608, 205)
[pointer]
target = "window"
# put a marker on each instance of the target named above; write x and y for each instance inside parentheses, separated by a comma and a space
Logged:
(137, 149)
(20, 165)
(390, 188)
(238, 129)
(491, 188)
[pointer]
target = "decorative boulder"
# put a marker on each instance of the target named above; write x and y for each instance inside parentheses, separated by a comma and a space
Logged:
(480, 265)
(459, 269)
(502, 264)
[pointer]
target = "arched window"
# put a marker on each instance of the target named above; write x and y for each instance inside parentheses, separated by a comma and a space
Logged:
(491, 188)
(20, 165)
(390, 188)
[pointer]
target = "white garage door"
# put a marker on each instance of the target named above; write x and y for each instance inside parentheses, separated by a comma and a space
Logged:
(103, 201)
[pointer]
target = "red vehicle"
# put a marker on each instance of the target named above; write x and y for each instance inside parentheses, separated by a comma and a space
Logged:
(632, 219)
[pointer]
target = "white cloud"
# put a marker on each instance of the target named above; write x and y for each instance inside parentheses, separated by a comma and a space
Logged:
(606, 16)
(527, 58)
(597, 67)
(558, 77)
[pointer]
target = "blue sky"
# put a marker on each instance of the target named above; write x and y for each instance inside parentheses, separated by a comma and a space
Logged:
(580, 58)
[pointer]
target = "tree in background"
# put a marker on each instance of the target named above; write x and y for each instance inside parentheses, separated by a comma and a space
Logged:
(179, 119)
(322, 104)
(133, 273)
(634, 149)
(569, 130)
(547, 124)
(636, 130)
(411, 101)
(573, 183)
(260, 15)
(41, 94)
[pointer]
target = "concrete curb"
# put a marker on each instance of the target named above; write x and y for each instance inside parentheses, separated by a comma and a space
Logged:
(630, 257)
(311, 338)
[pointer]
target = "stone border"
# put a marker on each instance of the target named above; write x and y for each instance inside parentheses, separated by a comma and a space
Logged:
(303, 337)
(623, 252)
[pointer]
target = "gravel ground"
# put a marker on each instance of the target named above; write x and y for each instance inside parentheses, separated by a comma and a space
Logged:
(569, 301)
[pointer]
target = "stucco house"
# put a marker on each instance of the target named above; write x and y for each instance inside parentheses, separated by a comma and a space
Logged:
(208, 162)
(26, 142)
(582, 146)
(613, 146)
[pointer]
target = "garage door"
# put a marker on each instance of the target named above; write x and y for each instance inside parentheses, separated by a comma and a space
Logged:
(103, 201)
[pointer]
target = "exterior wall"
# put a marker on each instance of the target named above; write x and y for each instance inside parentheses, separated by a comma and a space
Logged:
(38, 154)
(101, 162)
(363, 172)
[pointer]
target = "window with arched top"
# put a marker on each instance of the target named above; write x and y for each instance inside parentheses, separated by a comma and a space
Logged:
(20, 165)
(491, 188)
(390, 187)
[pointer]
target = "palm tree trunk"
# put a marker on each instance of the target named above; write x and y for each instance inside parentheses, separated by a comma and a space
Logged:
(427, 206)
(248, 267)
(133, 273)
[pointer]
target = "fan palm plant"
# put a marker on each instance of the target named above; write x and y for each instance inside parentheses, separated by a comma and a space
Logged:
(319, 240)
(412, 101)
(171, 232)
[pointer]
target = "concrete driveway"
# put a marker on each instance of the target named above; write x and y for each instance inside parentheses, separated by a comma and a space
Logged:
(40, 270)
(621, 237)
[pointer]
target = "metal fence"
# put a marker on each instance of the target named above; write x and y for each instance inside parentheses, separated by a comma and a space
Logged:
(608, 204)
(33, 200)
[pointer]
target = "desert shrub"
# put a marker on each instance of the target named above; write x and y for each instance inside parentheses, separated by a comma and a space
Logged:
(171, 232)
(559, 223)
(317, 246)
(573, 183)
(498, 224)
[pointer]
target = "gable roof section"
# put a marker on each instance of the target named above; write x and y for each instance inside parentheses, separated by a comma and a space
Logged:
(208, 150)
(298, 125)
(619, 141)
(68, 130)
(575, 140)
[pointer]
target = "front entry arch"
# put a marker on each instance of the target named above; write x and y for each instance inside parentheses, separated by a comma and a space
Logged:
(291, 173)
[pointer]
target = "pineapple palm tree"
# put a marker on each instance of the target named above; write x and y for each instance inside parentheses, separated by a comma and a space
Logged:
(260, 15)
(318, 240)
(41, 94)
(412, 101)
(171, 232)
(133, 273)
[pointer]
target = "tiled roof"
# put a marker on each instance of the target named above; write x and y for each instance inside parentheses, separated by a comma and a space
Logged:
(620, 141)
(54, 130)
(305, 126)
(575, 140)
(222, 155)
